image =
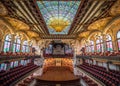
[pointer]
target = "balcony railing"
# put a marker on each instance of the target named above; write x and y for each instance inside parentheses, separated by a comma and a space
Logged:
(8, 58)
(116, 58)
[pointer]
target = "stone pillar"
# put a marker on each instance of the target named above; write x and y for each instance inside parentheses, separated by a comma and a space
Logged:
(12, 42)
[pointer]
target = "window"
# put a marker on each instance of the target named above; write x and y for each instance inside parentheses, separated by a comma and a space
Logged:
(118, 38)
(15, 63)
(3, 66)
(11, 64)
(91, 46)
(99, 44)
(7, 43)
(25, 47)
(109, 43)
(16, 46)
(22, 62)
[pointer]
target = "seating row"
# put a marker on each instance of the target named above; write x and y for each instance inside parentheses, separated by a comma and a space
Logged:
(8, 77)
(107, 77)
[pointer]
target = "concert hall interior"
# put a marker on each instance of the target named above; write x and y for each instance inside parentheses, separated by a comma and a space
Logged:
(59, 42)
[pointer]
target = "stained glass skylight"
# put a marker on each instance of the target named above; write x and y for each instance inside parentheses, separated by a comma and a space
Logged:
(58, 15)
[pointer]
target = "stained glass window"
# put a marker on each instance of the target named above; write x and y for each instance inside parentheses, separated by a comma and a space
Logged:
(16, 46)
(58, 15)
(3, 66)
(91, 46)
(15, 63)
(87, 48)
(22, 62)
(99, 44)
(7, 43)
(118, 37)
(109, 43)
(11, 64)
(25, 47)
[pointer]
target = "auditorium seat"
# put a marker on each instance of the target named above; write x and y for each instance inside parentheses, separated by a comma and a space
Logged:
(109, 78)
(10, 76)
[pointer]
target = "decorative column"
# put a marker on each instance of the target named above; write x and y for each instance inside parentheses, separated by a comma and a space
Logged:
(95, 48)
(104, 42)
(12, 42)
(1, 44)
(21, 45)
(115, 43)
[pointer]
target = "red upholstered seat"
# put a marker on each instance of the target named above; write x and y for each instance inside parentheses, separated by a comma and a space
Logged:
(102, 74)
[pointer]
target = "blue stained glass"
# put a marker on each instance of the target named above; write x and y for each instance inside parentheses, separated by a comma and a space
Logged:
(61, 11)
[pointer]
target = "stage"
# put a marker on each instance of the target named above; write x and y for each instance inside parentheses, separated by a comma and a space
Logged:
(57, 75)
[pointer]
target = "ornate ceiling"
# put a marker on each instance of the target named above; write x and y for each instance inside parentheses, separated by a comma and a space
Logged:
(59, 19)
(58, 15)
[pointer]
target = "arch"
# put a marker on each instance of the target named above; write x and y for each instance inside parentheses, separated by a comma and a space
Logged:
(110, 23)
(94, 32)
(99, 24)
(7, 24)
(24, 35)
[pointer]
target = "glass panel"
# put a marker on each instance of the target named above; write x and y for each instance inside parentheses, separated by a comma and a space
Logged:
(118, 34)
(7, 43)
(119, 44)
(98, 41)
(108, 37)
(98, 47)
(2, 66)
(92, 48)
(23, 49)
(109, 46)
(58, 15)
(11, 65)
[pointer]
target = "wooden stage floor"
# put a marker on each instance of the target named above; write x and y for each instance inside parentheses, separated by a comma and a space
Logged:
(57, 74)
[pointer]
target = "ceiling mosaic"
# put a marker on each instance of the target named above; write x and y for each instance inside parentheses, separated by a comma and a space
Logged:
(58, 15)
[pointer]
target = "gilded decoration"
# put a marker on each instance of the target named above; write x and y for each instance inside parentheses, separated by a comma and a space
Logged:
(18, 25)
(115, 10)
(100, 24)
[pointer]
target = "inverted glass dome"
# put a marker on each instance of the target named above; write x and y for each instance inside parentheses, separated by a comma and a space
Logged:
(58, 15)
